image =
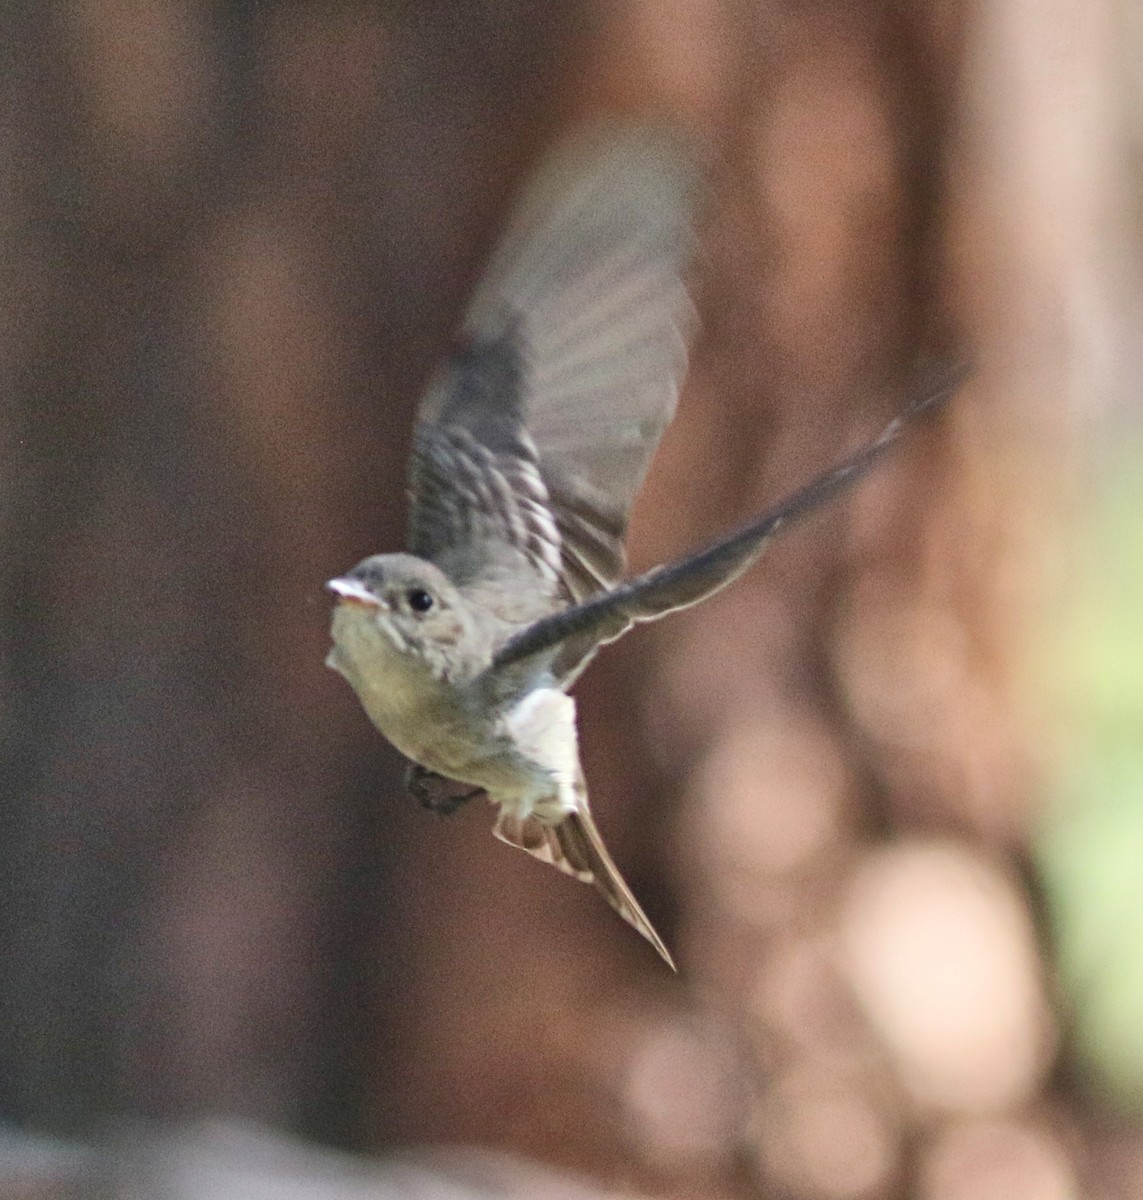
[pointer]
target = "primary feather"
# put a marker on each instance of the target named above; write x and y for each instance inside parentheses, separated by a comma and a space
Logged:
(533, 440)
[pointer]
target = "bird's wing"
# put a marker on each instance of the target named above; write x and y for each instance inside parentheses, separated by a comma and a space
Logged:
(575, 847)
(536, 434)
(570, 637)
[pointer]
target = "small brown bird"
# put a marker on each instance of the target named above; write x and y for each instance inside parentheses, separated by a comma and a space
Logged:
(530, 447)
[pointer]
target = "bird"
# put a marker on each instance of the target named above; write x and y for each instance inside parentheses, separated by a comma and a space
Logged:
(530, 445)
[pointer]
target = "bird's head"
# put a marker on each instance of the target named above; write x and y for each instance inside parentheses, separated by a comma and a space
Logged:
(404, 609)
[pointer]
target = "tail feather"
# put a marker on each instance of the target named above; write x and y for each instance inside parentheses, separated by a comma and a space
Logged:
(575, 847)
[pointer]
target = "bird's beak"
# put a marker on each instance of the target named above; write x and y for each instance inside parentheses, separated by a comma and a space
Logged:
(349, 591)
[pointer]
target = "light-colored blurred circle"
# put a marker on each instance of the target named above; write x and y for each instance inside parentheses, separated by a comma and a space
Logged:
(821, 1135)
(996, 1160)
(802, 998)
(686, 1095)
(920, 688)
(942, 957)
(770, 799)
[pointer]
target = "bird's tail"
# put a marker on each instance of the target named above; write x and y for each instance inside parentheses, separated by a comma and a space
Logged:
(575, 847)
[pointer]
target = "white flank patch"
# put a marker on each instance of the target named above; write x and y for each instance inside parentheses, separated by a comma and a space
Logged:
(542, 727)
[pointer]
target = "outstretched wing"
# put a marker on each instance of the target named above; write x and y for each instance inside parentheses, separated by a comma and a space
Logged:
(569, 637)
(533, 440)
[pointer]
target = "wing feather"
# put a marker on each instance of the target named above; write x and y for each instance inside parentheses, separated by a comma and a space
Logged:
(566, 370)
(571, 636)
(575, 846)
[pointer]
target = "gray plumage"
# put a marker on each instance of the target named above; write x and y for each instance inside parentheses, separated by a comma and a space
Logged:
(533, 441)
(530, 447)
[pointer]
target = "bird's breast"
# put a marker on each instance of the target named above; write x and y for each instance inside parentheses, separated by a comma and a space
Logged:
(521, 751)
(401, 696)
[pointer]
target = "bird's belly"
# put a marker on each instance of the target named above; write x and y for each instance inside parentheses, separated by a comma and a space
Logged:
(526, 758)
(522, 754)
(435, 733)
(419, 716)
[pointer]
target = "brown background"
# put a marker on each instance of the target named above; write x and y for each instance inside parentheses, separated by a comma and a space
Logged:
(235, 238)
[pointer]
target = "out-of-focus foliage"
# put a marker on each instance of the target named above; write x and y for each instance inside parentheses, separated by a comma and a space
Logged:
(1092, 849)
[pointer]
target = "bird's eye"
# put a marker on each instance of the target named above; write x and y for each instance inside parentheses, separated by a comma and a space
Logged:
(419, 600)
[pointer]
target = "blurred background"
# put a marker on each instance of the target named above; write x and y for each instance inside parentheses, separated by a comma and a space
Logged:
(884, 797)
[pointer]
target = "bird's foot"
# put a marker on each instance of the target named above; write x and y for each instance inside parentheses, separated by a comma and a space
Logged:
(438, 793)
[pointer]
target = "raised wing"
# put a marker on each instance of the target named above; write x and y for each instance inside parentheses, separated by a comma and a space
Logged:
(567, 639)
(534, 439)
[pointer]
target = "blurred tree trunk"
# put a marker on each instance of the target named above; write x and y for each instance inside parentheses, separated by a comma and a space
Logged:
(237, 238)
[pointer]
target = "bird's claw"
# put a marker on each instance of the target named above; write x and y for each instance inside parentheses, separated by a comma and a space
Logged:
(438, 793)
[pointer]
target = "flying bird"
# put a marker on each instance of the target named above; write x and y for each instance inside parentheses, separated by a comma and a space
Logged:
(530, 446)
